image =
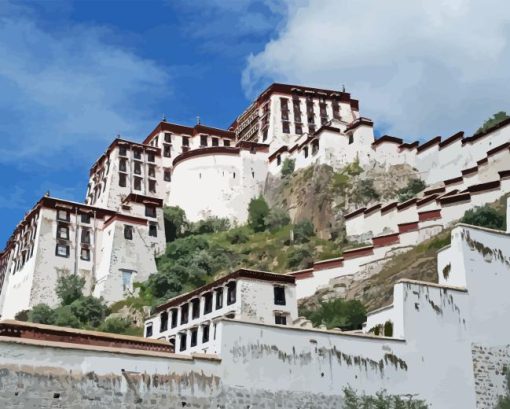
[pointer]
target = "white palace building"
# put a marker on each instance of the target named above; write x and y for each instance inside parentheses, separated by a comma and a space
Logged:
(112, 238)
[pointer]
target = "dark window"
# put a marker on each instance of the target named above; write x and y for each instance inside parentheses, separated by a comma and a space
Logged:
(285, 115)
(174, 318)
(280, 319)
(137, 168)
(315, 147)
(122, 165)
(153, 230)
(311, 119)
(322, 109)
(231, 293)
(63, 215)
(336, 110)
(128, 232)
(148, 331)
(208, 299)
(168, 137)
(182, 346)
(151, 157)
(215, 142)
(150, 211)
(264, 134)
(122, 150)
(152, 171)
(85, 253)
(152, 186)
(195, 308)
(184, 314)
(167, 175)
(285, 127)
(122, 179)
(226, 142)
(311, 129)
(62, 231)
(171, 341)
(203, 140)
(351, 139)
(85, 218)
(205, 334)
(278, 160)
(85, 236)
(185, 141)
(219, 298)
(163, 321)
(279, 295)
(305, 151)
(137, 154)
(194, 333)
(167, 152)
(62, 250)
(299, 129)
(137, 183)
(324, 120)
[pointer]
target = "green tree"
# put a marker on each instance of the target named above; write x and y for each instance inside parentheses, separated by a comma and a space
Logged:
(338, 313)
(303, 231)
(116, 325)
(89, 311)
(493, 121)
(64, 317)
(257, 213)
(210, 225)
(69, 288)
(22, 315)
(42, 314)
(277, 218)
(300, 258)
(176, 223)
(367, 190)
(288, 167)
(381, 400)
(485, 216)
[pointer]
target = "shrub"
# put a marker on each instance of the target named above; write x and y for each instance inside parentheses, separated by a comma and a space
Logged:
(388, 329)
(176, 224)
(338, 313)
(90, 311)
(257, 213)
(210, 225)
(381, 400)
(288, 167)
(22, 315)
(493, 120)
(69, 288)
(277, 218)
(303, 231)
(485, 216)
(300, 258)
(238, 236)
(42, 314)
(367, 190)
(116, 325)
(64, 317)
(413, 187)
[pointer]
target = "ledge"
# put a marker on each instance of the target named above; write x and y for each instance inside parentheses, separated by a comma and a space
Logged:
(213, 150)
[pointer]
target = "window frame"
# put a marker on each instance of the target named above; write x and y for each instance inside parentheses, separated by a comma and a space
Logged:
(62, 245)
(279, 296)
(128, 232)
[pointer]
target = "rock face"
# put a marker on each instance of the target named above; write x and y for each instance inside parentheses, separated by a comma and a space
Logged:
(324, 195)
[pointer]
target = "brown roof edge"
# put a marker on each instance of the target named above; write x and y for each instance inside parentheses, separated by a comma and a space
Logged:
(427, 199)
(455, 198)
(388, 139)
(426, 145)
(373, 208)
(504, 174)
(476, 136)
(497, 149)
(241, 273)
(354, 213)
(357, 122)
(407, 203)
(453, 180)
(134, 197)
(436, 190)
(388, 207)
(451, 139)
(407, 145)
(280, 150)
(468, 171)
(230, 150)
(484, 186)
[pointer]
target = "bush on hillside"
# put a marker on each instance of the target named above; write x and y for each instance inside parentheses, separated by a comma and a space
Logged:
(257, 213)
(176, 223)
(212, 224)
(277, 218)
(493, 121)
(485, 216)
(413, 187)
(299, 258)
(115, 325)
(238, 236)
(41, 314)
(339, 313)
(303, 231)
(288, 167)
(367, 190)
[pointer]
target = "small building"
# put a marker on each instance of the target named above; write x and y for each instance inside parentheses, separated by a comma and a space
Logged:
(188, 321)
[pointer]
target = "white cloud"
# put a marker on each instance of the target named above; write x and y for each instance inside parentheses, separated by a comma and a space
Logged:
(67, 92)
(419, 68)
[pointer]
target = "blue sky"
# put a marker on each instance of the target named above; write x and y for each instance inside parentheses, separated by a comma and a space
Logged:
(75, 74)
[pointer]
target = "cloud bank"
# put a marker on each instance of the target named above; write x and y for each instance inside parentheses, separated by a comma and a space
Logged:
(419, 68)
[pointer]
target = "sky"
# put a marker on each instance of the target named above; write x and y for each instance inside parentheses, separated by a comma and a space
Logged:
(74, 74)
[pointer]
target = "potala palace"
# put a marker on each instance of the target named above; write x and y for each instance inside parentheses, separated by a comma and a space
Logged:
(238, 342)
